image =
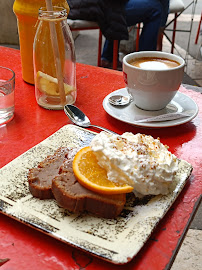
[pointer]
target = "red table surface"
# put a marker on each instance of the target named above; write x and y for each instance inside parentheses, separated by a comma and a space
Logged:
(27, 248)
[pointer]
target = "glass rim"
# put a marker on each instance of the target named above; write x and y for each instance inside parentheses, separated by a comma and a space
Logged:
(56, 9)
(9, 69)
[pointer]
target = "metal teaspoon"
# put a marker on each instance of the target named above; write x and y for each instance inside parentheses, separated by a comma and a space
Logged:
(80, 119)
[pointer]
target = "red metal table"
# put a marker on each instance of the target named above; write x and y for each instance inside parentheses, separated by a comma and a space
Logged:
(27, 248)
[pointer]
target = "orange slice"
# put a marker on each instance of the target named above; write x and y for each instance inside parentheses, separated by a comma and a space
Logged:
(92, 176)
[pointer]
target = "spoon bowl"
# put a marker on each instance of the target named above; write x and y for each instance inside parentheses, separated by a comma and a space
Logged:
(119, 100)
(80, 119)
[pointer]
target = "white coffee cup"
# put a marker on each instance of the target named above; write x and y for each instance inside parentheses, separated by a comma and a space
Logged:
(152, 88)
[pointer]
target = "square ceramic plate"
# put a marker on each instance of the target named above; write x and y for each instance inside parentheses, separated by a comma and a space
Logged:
(116, 240)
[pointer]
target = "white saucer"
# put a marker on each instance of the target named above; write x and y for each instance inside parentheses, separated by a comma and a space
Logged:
(127, 114)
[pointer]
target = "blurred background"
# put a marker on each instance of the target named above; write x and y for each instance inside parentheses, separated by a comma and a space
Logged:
(86, 42)
(86, 45)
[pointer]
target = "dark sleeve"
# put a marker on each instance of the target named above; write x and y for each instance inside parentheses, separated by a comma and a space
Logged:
(114, 25)
(109, 14)
(88, 10)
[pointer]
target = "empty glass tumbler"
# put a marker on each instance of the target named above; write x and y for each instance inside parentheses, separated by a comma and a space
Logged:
(54, 60)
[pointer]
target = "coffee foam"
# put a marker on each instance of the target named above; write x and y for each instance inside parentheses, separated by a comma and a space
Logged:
(153, 65)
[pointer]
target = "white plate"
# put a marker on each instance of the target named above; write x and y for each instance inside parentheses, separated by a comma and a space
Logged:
(127, 114)
(116, 240)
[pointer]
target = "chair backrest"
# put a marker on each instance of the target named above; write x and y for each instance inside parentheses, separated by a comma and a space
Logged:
(176, 6)
(82, 24)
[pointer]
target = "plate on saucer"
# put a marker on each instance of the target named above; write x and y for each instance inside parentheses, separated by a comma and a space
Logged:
(127, 114)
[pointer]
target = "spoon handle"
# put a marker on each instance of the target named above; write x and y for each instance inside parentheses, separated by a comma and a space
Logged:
(104, 129)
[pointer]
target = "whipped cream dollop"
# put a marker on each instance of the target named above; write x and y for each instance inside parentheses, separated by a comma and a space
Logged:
(138, 160)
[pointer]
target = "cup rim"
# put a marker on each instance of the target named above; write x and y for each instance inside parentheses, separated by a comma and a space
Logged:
(13, 73)
(156, 53)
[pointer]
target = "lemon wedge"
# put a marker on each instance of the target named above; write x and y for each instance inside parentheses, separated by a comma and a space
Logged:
(49, 85)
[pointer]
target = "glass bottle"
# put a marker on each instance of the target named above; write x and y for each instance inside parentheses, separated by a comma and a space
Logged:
(54, 73)
(26, 12)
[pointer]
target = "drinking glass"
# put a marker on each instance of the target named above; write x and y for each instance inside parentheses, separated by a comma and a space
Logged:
(7, 87)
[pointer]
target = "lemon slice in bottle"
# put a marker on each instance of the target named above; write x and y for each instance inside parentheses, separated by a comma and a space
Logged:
(49, 85)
